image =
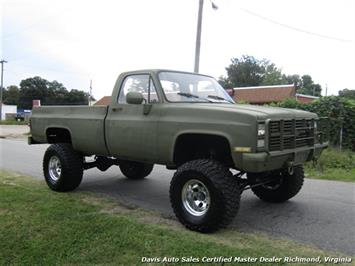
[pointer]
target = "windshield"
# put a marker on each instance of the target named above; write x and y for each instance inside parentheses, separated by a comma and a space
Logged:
(185, 87)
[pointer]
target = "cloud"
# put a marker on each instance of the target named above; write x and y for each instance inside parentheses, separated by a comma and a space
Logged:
(75, 41)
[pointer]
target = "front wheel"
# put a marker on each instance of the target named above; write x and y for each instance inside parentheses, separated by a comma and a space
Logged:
(62, 167)
(204, 195)
(284, 186)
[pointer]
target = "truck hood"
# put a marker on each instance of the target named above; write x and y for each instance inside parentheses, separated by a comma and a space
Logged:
(262, 112)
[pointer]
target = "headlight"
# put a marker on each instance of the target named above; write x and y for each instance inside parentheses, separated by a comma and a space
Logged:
(261, 135)
(261, 143)
(261, 130)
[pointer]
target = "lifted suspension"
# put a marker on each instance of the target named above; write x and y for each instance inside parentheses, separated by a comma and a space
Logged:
(246, 183)
(101, 162)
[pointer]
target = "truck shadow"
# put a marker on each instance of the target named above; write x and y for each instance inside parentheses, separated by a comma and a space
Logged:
(304, 218)
(152, 193)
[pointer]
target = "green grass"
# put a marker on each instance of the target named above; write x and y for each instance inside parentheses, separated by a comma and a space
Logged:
(13, 122)
(331, 174)
(333, 165)
(41, 227)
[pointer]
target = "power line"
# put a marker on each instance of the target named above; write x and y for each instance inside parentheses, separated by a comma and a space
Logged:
(294, 28)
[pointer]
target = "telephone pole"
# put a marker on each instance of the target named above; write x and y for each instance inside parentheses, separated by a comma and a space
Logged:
(1, 87)
(198, 37)
(90, 92)
(198, 33)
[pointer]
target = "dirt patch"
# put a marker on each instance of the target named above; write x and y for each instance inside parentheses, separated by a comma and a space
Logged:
(159, 219)
(9, 183)
(4, 211)
(112, 207)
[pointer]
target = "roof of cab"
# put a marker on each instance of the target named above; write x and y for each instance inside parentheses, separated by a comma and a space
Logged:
(156, 71)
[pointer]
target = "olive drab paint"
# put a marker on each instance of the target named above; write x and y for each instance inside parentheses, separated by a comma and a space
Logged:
(148, 132)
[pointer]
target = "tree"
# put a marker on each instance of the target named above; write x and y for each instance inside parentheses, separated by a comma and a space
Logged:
(57, 93)
(309, 87)
(225, 82)
(347, 93)
(294, 79)
(243, 72)
(272, 75)
(50, 93)
(11, 95)
(34, 88)
(249, 71)
(77, 97)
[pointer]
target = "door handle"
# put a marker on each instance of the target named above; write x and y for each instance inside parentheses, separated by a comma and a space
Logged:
(114, 109)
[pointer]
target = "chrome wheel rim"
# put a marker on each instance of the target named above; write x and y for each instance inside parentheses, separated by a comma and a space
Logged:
(54, 168)
(195, 197)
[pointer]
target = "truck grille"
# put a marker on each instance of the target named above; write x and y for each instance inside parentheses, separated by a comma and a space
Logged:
(291, 134)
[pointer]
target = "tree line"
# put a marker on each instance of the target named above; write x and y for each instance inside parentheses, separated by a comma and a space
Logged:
(249, 71)
(49, 92)
(242, 72)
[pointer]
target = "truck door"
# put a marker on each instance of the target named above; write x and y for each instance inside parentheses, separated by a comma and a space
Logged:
(131, 131)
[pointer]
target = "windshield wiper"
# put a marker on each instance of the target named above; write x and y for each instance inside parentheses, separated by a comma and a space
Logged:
(189, 95)
(218, 98)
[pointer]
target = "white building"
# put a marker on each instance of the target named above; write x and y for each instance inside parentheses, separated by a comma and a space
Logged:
(8, 109)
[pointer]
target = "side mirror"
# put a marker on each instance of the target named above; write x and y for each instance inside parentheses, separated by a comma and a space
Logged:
(134, 97)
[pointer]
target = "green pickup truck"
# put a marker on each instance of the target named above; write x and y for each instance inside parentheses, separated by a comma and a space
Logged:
(186, 122)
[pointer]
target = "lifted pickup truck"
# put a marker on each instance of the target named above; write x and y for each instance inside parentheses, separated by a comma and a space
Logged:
(187, 122)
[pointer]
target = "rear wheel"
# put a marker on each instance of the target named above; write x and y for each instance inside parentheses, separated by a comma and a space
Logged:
(62, 167)
(204, 195)
(135, 170)
(285, 185)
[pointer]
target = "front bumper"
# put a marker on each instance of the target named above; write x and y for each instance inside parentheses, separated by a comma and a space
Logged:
(267, 161)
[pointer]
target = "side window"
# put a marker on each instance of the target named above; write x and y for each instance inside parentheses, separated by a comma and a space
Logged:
(138, 83)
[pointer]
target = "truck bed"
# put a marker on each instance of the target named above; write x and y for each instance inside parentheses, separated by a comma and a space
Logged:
(85, 124)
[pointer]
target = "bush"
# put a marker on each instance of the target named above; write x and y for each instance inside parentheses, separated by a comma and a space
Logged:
(332, 158)
(333, 165)
(339, 110)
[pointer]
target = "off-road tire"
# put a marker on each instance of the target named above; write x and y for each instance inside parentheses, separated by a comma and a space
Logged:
(135, 170)
(223, 189)
(289, 186)
(71, 167)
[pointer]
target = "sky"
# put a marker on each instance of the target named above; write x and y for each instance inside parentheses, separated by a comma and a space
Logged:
(76, 41)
